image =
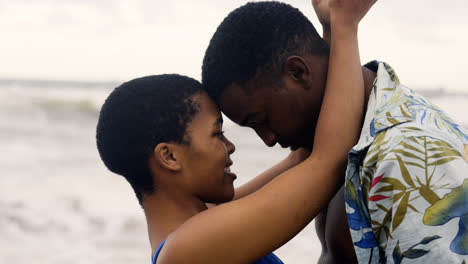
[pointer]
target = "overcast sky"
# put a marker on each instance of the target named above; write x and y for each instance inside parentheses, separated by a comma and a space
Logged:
(424, 40)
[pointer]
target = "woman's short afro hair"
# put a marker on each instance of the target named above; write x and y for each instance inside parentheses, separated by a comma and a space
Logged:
(137, 116)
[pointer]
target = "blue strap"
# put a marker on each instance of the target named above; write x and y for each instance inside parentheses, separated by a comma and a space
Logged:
(155, 257)
(268, 259)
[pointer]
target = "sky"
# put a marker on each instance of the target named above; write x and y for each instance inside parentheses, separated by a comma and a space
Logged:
(117, 40)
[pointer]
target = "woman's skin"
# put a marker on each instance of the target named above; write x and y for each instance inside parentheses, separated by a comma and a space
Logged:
(248, 228)
(323, 14)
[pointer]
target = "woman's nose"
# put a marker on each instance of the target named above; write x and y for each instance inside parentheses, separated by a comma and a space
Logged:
(230, 146)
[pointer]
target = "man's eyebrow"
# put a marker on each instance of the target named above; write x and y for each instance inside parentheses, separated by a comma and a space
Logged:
(247, 118)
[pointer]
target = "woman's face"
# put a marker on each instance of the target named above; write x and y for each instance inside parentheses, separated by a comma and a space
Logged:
(206, 158)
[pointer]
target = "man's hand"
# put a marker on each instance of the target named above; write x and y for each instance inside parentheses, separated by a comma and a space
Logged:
(323, 14)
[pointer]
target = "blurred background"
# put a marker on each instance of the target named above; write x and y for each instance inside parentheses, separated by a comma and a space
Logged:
(61, 58)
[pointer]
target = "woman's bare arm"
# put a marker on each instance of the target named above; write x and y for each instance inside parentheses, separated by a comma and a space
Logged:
(338, 125)
(245, 230)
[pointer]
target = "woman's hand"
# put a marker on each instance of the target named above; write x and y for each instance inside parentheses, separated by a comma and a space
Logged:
(339, 13)
(323, 14)
(346, 12)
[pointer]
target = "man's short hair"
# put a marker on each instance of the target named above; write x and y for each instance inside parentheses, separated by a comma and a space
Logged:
(254, 40)
(137, 116)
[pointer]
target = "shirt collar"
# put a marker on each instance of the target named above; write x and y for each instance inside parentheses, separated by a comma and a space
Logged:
(386, 106)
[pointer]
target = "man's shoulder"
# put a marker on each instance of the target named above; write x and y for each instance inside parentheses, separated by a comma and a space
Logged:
(411, 139)
(413, 149)
(414, 118)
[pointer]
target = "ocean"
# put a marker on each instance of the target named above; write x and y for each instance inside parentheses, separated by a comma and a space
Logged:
(58, 202)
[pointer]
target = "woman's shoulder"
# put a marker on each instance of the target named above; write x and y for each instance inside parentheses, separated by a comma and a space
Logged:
(158, 250)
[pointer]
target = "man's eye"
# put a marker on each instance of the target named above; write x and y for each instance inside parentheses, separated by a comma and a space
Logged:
(254, 123)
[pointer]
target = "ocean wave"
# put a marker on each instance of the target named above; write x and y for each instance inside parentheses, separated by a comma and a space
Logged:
(15, 98)
(73, 237)
(441, 92)
(41, 84)
(85, 106)
(20, 220)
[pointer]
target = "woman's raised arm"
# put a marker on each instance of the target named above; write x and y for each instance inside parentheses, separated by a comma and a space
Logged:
(340, 120)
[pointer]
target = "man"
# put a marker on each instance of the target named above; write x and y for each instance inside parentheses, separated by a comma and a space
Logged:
(406, 184)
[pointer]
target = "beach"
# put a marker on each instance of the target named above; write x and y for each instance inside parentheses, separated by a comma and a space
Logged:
(58, 202)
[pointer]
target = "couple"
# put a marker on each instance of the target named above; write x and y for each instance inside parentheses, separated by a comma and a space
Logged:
(403, 199)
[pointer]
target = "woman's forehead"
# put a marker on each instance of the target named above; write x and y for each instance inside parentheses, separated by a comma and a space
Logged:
(208, 113)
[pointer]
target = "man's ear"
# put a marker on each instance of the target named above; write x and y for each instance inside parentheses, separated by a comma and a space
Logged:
(296, 69)
(168, 156)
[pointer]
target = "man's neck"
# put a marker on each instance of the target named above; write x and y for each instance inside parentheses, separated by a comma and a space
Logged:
(369, 77)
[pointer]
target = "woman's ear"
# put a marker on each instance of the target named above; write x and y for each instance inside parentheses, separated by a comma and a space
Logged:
(168, 156)
(296, 69)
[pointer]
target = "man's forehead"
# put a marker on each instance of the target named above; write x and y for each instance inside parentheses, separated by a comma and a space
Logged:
(234, 102)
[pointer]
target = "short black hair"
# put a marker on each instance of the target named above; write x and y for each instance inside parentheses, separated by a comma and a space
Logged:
(137, 116)
(253, 41)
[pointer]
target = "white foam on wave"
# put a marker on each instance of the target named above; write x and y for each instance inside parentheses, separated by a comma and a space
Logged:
(70, 235)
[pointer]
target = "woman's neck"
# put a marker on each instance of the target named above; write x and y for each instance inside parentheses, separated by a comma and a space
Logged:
(165, 212)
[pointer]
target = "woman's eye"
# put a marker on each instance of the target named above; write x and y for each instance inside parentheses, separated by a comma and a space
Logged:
(220, 134)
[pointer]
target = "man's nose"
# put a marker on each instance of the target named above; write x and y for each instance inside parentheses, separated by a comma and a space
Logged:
(268, 136)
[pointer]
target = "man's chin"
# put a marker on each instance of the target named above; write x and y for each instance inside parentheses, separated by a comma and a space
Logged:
(293, 148)
(298, 146)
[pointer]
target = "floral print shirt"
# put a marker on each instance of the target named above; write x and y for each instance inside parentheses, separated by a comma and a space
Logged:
(406, 187)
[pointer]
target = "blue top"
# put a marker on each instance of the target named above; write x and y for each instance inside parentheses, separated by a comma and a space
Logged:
(268, 259)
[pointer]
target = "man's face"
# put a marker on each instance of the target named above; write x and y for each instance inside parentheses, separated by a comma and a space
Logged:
(285, 115)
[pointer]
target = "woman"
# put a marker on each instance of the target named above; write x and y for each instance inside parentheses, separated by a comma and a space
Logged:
(164, 135)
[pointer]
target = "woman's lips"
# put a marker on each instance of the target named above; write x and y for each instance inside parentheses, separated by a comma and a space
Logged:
(227, 171)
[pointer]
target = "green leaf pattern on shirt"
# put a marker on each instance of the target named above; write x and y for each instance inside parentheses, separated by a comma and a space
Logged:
(412, 178)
